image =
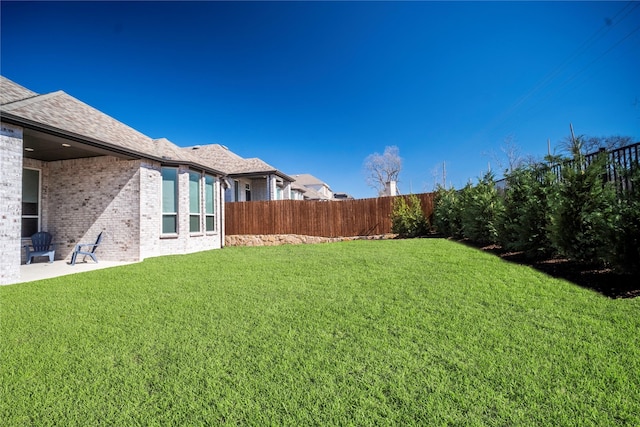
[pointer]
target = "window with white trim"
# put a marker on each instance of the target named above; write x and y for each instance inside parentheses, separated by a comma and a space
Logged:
(236, 191)
(169, 200)
(209, 203)
(194, 202)
(30, 202)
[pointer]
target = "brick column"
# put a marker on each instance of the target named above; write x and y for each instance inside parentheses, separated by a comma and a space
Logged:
(10, 202)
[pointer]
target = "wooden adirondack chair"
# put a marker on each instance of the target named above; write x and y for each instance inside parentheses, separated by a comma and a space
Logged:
(40, 246)
(86, 249)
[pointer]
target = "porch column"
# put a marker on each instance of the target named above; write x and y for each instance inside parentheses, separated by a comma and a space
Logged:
(287, 191)
(11, 202)
(271, 187)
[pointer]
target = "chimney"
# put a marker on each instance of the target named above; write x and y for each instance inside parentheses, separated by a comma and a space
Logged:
(390, 189)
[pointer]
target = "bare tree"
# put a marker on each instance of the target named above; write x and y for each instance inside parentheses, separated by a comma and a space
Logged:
(439, 175)
(511, 151)
(594, 143)
(582, 145)
(381, 169)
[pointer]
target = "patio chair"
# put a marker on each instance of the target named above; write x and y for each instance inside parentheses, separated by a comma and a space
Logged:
(40, 246)
(86, 249)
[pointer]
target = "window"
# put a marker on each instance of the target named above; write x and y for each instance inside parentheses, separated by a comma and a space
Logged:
(194, 202)
(247, 192)
(209, 203)
(169, 200)
(236, 191)
(30, 202)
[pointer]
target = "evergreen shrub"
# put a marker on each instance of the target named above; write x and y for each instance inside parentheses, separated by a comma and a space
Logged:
(526, 211)
(407, 218)
(627, 238)
(482, 208)
(447, 212)
(584, 213)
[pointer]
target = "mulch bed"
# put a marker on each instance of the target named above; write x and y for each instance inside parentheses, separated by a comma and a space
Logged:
(607, 281)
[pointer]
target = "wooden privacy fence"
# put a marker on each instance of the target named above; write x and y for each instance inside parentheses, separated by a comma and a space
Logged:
(343, 218)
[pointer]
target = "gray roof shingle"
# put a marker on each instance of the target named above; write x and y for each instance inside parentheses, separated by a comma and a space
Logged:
(11, 92)
(61, 111)
(229, 162)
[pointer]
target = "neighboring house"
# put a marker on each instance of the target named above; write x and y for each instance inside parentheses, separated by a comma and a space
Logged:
(297, 191)
(249, 179)
(312, 187)
(73, 171)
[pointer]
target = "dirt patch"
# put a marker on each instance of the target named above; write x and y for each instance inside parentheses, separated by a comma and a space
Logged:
(606, 281)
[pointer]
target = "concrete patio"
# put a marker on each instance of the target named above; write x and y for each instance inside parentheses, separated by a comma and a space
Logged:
(45, 270)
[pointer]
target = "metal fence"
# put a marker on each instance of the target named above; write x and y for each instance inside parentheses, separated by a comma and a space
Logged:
(344, 218)
(618, 166)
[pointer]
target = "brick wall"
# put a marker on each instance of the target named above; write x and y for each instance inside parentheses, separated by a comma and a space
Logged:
(152, 242)
(82, 197)
(87, 196)
(150, 209)
(10, 202)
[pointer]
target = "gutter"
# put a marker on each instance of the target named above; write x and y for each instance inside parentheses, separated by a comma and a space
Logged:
(254, 173)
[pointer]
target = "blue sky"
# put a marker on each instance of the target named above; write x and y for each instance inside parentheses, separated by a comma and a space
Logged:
(315, 87)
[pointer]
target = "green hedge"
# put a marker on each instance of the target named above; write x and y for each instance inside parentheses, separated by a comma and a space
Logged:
(578, 215)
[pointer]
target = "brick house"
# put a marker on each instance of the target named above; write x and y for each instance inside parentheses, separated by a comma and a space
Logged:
(250, 179)
(73, 171)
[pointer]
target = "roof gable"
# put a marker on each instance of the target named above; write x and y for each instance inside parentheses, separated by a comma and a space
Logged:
(308, 179)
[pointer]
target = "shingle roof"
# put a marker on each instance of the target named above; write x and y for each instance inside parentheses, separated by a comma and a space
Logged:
(12, 92)
(310, 193)
(61, 111)
(217, 156)
(308, 179)
(229, 162)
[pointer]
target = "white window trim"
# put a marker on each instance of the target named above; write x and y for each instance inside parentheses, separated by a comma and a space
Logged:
(236, 190)
(199, 214)
(39, 216)
(177, 196)
(247, 188)
(204, 199)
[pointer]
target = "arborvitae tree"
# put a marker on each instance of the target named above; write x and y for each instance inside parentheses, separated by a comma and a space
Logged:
(526, 211)
(584, 213)
(447, 211)
(482, 208)
(627, 237)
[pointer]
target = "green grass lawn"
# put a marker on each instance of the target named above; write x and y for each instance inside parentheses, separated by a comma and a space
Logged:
(425, 332)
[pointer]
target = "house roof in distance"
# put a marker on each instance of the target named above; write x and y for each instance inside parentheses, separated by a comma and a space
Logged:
(312, 185)
(306, 179)
(229, 162)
